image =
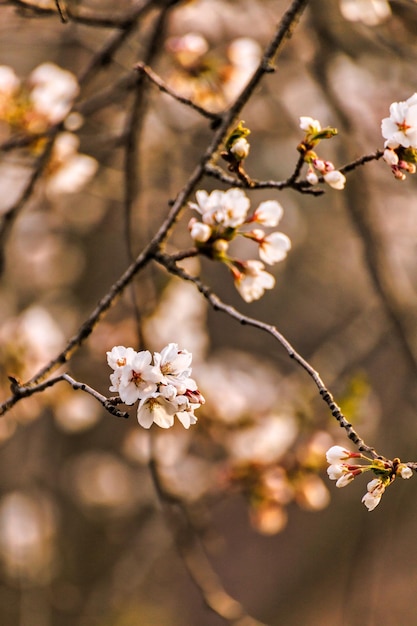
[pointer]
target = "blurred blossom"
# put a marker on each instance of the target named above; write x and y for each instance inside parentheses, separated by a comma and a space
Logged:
(136, 446)
(244, 54)
(268, 518)
(312, 493)
(263, 442)
(311, 454)
(370, 12)
(27, 534)
(68, 171)
(76, 412)
(190, 478)
(181, 317)
(52, 91)
(236, 386)
(102, 482)
(208, 77)
(276, 485)
(29, 341)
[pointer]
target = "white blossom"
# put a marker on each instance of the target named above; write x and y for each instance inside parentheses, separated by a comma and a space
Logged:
(312, 177)
(400, 128)
(268, 213)
(222, 208)
(336, 454)
(156, 409)
(405, 471)
(345, 479)
(335, 471)
(53, 91)
(240, 148)
(161, 383)
(68, 170)
(375, 491)
(335, 179)
(390, 156)
(252, 281)
(310, 125)
(274, 247)
(199, 232)
(138, 378)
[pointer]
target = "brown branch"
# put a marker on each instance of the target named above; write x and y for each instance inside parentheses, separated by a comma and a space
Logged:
(162, 86)
(219, 305)
(19, 392)
(284, 30)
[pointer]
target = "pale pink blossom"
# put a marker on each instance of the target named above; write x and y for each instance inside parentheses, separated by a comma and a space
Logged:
(336, 454)
(400, 128)
(199, 232)
(375, 491)
(240, 148)
(222, 208)
(310, 125)
(268, 213)
(335, 179)
(252, 281)
(274, 248)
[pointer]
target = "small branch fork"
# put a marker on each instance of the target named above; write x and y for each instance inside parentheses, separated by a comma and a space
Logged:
(19, 392)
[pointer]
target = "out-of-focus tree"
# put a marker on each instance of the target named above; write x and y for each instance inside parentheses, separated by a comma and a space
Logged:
(200, 201)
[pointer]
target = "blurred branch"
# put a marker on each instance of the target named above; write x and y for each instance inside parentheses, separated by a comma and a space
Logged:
(195, 559)
(10, 215)
(219, 305)
(162, 86)
(359, 201)
(86, 18)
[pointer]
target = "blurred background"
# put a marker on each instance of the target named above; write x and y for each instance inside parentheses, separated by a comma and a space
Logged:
(85, 537)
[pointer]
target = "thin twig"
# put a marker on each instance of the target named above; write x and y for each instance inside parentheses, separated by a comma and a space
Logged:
(219, 305)
(162, 86)
(20, 392)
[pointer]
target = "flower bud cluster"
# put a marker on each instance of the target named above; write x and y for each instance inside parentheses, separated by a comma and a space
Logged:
(161, 384)
(223, 213)
(317, 167)
(344, 472)
(400, 133)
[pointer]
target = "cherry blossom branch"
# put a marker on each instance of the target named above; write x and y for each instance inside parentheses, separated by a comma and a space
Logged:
(249, 183)
(219, 305)
(283, 32)
(20, 392)
(359, 203)
(164, 88)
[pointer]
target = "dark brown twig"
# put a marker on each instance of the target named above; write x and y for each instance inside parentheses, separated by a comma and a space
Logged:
(219, 305)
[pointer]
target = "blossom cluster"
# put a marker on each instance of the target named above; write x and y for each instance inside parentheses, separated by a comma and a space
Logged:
(33, 107)
(161, 383)
(208, 78)
(223, 213)
(344, 472)
(400, 133)
(317, 167)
